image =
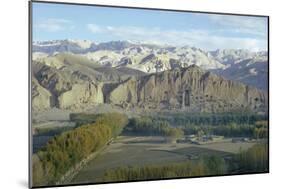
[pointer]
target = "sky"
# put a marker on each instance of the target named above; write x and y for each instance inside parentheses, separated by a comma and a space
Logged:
(103, 24)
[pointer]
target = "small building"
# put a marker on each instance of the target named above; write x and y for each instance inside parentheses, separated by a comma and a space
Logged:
(240, 139)
(191, 138)
(217, 138)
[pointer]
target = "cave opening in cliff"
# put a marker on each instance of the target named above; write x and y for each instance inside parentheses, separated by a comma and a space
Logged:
(187, 98)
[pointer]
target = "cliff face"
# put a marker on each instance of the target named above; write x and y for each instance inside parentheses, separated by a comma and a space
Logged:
(63, 88)
(191, 89)
(188, 89)
(40, 96)
(80, 94)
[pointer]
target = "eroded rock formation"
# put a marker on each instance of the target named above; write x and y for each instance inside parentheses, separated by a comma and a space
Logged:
(188, 89)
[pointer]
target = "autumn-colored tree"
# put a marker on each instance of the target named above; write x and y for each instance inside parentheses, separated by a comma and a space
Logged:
(69, 148)
(254, 159)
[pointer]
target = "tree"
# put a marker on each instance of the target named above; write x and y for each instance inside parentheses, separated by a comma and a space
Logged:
(255, 159)
(215, 165)
(70, 147)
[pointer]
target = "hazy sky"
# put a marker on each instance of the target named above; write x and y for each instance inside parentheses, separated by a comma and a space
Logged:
(100, 24)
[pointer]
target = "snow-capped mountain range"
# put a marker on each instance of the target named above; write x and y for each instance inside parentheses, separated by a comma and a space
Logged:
(241, 65)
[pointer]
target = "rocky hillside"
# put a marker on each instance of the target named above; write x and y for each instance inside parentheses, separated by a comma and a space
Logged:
(144, 57)
(252, 72)
(67, 81)
(250, 68)
(190, 89)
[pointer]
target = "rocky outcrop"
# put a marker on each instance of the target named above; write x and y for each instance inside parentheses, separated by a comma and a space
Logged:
(125, 92)
(81, 94)
(190, 89)
(40, 96)
(64, 88)
(250, 68)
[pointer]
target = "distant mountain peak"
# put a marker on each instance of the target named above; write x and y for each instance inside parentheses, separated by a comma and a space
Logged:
(151, 58)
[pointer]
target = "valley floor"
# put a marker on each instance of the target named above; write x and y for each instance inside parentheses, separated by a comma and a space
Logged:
(139, 151)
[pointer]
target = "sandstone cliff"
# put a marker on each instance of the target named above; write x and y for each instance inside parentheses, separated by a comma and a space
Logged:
(190, 89)
(40, 96)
